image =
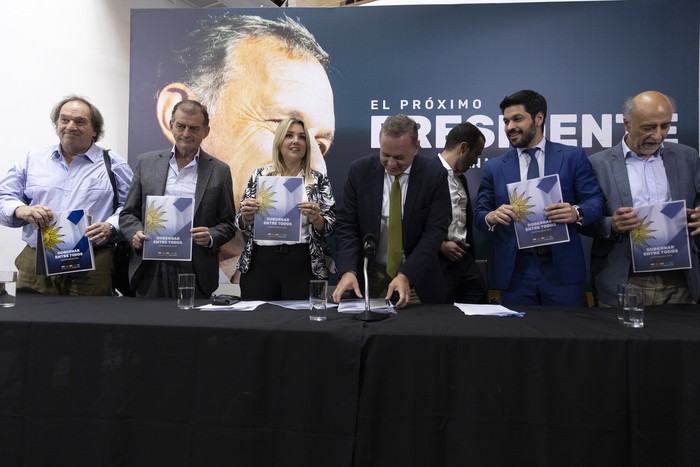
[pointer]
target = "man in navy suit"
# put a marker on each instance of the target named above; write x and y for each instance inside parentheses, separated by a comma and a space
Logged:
(183, 170)
(643, 169)
(365, 209)
(547, 275)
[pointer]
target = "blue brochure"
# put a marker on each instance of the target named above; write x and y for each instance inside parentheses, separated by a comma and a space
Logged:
(531, 197)
(167, 226)
(278, 217)
(65, 245)
(661, 243)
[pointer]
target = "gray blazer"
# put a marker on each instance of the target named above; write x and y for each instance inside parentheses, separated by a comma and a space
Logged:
(610, 256)
(213, 208)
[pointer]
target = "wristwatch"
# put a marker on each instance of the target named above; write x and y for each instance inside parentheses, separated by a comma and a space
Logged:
(579, 215)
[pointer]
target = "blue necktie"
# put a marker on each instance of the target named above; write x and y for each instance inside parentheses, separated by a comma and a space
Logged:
(533, 170)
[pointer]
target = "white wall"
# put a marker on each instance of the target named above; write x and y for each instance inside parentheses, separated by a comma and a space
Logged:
(54, 48)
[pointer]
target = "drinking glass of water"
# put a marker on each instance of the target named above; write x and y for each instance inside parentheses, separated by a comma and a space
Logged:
(8, 288)
(633, 309)
(318, 292)
(185, 291)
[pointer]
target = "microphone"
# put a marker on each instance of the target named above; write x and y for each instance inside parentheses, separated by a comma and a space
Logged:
(369, 244)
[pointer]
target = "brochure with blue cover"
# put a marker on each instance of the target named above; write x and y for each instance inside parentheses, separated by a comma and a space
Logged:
(167, 226)
(278, 217)
(531, 197)
(65, 244)
(661, 243)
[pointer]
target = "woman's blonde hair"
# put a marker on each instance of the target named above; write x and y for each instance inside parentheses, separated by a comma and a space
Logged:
(278, 167)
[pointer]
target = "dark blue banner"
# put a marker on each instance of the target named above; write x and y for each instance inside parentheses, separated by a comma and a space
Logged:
(440, 64)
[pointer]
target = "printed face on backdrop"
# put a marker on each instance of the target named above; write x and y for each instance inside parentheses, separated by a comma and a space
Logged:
(267, 84)
(272, 85)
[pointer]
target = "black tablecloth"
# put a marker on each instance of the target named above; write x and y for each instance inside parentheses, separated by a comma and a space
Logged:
(121, 381)
(568, 387)
(92, 381)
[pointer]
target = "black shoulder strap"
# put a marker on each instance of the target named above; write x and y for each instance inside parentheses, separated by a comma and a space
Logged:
(108, 165)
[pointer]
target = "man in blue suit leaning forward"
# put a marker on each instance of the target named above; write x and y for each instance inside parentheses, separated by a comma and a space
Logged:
(643, 169)
(547, 275)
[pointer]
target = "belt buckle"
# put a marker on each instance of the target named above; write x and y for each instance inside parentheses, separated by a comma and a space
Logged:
(538, 250)
(543, 250)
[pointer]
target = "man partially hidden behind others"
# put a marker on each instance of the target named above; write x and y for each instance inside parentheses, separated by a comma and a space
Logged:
(463, 280)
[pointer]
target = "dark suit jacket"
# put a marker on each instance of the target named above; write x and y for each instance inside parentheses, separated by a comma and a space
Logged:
(611, 256)
(426, 216)
(463, 279)
(213, 208)
(578, 185)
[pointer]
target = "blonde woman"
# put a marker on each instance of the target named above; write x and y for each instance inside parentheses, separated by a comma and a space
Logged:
(281, 270)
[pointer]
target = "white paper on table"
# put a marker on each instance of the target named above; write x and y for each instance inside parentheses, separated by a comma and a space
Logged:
(297, 304)
(248, 305)
(487, 310)
(357, 305)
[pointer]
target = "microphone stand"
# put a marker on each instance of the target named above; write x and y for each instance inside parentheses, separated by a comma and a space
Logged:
(368, 314)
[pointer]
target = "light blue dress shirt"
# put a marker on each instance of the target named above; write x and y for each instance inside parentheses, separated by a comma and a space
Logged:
(181, 182)
(648, 182)
(43, 177)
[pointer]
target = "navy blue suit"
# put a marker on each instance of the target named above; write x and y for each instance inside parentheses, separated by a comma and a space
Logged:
(426, 216)
(579, 187)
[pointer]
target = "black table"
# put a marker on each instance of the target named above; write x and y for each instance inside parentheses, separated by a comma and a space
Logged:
(567, 387)
(92, 381)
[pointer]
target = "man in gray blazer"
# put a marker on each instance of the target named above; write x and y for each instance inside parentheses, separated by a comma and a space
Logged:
(184, 170)
(641, 170)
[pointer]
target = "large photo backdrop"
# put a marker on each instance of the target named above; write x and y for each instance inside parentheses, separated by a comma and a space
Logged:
(438, 64)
